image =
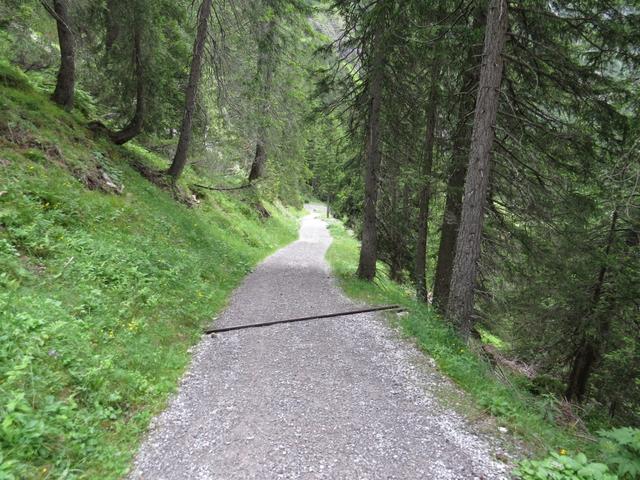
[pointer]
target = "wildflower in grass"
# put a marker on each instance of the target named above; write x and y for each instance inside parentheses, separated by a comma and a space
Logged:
(562, 451)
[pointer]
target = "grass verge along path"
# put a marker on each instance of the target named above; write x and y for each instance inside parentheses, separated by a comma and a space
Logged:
(515, 408)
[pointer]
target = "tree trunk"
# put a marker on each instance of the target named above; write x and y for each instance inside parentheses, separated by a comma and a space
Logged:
(455, 184)
(112, 26)
(65, 82)
(180, 157)
(369, 246)
(394, 233)
(134, 127)
(590, 347)
(260, 158)
(449, 230)
(425, 192)
(463, 278)
(265, 77)
(583, 362)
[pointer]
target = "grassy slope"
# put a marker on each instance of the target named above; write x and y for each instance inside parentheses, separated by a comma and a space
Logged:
(101, 295)
(517, 409)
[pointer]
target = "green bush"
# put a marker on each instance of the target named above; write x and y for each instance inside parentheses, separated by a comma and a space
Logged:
(12, 76)
(620, 456)
(498, 406)
(563, 467)
(621, 450)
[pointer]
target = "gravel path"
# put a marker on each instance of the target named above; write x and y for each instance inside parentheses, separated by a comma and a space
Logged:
(342, 398)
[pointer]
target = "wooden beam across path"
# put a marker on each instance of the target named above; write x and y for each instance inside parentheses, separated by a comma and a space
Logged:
(304, 319)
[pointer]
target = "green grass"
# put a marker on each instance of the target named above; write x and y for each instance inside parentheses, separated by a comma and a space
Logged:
(101, 295)
(530, 417)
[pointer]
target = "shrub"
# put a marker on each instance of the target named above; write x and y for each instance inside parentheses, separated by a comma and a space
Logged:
(13, 77)
(563, 467)
(621, 448)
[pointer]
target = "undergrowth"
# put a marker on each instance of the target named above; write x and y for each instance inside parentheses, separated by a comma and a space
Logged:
(532, 418)
(101, 295)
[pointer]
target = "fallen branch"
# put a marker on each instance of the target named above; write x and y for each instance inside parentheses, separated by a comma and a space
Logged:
(304, 319)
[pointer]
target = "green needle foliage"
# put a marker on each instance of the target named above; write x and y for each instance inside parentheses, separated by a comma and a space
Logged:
(572, 456)
(548, 260)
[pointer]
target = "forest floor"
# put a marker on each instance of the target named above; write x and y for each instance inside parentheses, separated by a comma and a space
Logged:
(346, 397)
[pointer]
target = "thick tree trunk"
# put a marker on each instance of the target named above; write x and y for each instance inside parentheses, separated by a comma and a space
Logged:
(448, 233)
(463, 278)
(265, 77)
(180, 157)
(111, 24)
(455, 184)
(260, 158)
(134, 127)
(369, 246)
(590, 347)
(420, 268)
(583, 362)
(65, 82)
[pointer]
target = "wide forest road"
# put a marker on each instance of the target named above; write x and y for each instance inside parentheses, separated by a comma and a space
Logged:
(340, 398)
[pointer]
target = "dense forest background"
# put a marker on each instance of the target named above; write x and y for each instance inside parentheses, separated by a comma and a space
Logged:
(486, 153)
(131, 64)
(499, 145)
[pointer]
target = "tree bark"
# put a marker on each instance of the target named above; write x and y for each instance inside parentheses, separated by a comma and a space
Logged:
(455, 184)
(180, 157)
(590, 347)
(395, 234)
(463, 278)
(134, 127)
(369, 246)
(66, 79)
(449, 230)
(420, 270)
(265, 77)
(111, 24)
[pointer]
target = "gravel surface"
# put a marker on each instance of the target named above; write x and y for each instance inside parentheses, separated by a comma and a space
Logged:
(341, 398)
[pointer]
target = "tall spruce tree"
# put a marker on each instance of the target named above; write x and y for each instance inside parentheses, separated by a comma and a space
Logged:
(191, 91)
(64, 91)
(465, 266)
